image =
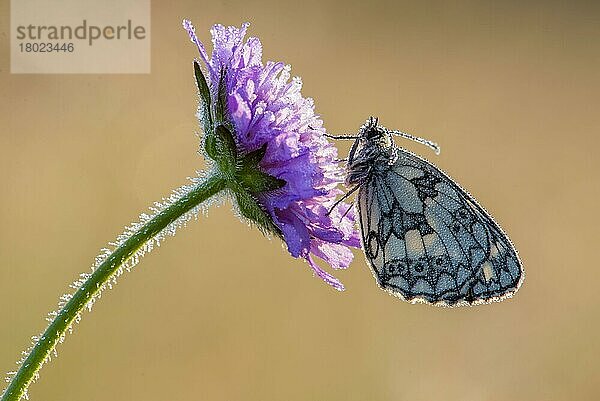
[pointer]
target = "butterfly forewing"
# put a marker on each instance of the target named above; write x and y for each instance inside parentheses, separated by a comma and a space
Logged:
(427, 240)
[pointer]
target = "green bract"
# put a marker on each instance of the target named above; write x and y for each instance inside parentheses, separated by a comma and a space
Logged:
(242, 172)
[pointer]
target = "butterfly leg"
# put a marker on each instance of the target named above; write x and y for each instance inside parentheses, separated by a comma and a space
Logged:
(346, 195)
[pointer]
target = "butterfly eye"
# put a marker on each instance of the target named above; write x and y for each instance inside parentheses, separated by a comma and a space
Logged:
(373, 134)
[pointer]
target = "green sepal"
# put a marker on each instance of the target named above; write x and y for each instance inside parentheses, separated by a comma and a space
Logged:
(221, 106)
(210, 145)
(225, 150)
(205, 105)
(254, 157)
(250, 175)
(225, 143)
(203, 88)
(256, 181)
(251, 210)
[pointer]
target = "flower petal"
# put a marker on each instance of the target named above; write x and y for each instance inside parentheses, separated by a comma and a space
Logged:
(328, 278)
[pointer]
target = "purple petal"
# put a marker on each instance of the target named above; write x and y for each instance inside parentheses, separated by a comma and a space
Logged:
(187, 25)
(328, 278)
(336, 255)
(294, 231)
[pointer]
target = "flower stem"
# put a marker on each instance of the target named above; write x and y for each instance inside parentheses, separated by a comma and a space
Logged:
(102, 274)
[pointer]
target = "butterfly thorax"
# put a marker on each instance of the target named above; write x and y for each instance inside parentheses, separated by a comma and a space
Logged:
(374, 149)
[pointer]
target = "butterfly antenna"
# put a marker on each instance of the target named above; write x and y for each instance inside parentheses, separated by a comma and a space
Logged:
(341, 136)
(326, 135)
(436, 148)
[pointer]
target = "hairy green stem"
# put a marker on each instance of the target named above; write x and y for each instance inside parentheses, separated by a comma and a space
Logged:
(102, 274)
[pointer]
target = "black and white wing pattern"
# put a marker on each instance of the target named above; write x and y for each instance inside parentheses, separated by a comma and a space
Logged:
(427, 240)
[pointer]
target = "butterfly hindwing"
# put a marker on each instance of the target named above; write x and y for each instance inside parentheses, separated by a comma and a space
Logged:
(428, 240)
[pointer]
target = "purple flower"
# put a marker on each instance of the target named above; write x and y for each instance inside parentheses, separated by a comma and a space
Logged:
(265, 107)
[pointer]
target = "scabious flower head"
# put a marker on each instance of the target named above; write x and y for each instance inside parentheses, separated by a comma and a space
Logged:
(266, 110)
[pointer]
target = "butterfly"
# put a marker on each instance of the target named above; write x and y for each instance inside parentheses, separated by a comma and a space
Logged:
(425, 238)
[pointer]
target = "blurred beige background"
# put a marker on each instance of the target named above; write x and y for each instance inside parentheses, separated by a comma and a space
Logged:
(509, 89)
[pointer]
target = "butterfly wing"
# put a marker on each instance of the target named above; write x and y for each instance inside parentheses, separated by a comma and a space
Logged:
(427, 240)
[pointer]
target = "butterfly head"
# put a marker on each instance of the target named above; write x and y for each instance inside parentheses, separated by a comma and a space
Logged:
(371, 132)
(373, 144)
